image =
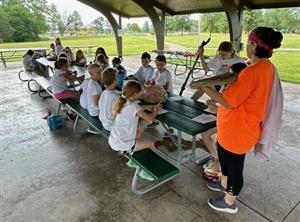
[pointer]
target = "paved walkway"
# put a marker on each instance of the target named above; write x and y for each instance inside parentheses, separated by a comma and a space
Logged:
(58, 176)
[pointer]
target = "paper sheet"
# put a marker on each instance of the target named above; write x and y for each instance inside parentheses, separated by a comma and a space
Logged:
(210, 111)
(176, 98)
(205, 118)
(162, 111)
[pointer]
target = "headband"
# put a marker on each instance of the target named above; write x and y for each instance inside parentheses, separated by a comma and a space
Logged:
(254, 38)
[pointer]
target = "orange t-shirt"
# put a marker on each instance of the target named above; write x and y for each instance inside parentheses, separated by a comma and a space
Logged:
(238, 128)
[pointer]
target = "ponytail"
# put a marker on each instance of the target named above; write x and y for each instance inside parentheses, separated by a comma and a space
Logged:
(129, 90)
(118, 106)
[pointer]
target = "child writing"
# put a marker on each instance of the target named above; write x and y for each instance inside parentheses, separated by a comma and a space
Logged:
(101, 51)
(219, 64)
(58, 46)
(108, 98)
(214, 166)
(31, 65)
(146, 71)
(80, 60)
(116, 62)
(60, 79)
(162, 76)
(126, 132)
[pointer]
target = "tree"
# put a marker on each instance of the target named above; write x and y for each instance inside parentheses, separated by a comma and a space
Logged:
(146, 28)
(252, 19)
(22, 24)
(214, 22)
(133, 28)
(77, 22)
(100, 24)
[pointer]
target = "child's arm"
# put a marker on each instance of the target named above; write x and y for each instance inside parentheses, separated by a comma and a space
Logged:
(149, 117)
(200, 52)
(166, 86)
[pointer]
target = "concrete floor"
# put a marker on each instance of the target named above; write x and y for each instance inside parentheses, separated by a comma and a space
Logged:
(58, 176)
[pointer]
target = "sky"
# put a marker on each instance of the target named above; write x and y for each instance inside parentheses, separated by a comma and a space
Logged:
(89, 14)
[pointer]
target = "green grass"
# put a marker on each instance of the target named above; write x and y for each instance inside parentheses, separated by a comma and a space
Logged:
(287, 62)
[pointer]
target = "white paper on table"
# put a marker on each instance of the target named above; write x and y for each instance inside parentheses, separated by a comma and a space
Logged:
(162, 111)
(205, 118)
(210, 111)
(176, 98)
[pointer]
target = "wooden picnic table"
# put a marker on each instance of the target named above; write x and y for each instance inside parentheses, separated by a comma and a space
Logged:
(6, 54)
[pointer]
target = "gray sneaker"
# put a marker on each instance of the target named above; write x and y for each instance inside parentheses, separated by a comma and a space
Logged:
(219, 204)
(215, 186)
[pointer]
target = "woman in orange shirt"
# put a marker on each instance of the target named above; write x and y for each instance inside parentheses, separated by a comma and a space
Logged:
(240, 114)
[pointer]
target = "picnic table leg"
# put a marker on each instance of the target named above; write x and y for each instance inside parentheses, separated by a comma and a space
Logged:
(194, 149)
(179, 150)
(2, 59)
(58, 108)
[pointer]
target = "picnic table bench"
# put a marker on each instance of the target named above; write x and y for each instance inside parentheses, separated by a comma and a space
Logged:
(156, 166)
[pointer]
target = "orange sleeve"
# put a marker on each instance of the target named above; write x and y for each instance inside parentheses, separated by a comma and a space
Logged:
(240, 90)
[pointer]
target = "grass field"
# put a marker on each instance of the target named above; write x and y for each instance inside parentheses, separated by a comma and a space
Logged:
(288, 62)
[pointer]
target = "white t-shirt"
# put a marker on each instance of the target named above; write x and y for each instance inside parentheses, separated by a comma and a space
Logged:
(145, 73)
(27, 63)
(58, 49)
(123, 134)
(90, 88)
(106, 102)
(220, 66)
(164, 77)
(58, 84)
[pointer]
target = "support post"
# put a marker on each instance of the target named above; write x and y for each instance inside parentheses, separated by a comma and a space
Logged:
(157, 22)
(234, 15)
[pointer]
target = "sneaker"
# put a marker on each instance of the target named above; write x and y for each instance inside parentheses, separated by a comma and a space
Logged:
(70, 116)
(219, 204)
(92, 131)
(144, 175)
(153, 124)
(131, 164)
(215, 186)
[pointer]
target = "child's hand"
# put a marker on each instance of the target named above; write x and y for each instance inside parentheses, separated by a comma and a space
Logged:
(157, 108)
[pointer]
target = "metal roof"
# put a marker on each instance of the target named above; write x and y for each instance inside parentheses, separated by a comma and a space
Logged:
(129, 8)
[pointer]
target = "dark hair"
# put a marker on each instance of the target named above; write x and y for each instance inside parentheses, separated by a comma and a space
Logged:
(59, 63)
(63, 55)
(161, 58)
(270, 37)
(129, 89)
(145, 55)
(238, 67)
(116, 60)
(29, 52)
(226, 47)
(52, 44)
(102, 51)
(108, 76)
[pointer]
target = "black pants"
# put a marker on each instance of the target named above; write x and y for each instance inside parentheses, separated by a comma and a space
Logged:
(232, 166)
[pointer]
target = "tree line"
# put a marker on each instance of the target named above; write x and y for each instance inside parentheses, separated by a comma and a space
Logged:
(29, 20)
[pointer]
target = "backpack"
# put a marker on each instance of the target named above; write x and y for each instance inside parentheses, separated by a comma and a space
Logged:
(55, 122)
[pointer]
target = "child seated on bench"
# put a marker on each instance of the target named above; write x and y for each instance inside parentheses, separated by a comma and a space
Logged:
(116, 62)
(213, 168)
(126, 132)
(102, 61)
(146, 71)
(162, 76)
(91, 92)
(30, 65)
(80, 60)
(108, 98)
(60, 79)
